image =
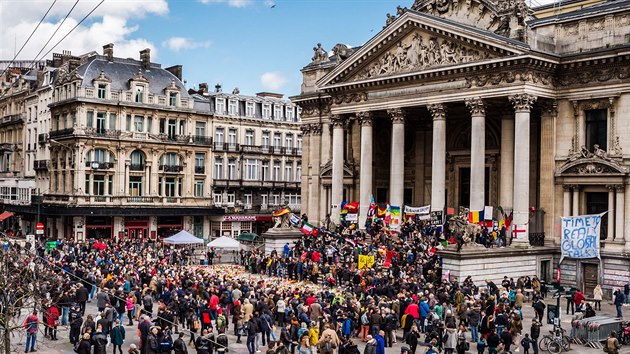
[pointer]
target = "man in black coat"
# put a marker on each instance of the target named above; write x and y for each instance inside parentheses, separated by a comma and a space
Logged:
(82, 295)
(75, 324)
(535, 334)
(179, 346)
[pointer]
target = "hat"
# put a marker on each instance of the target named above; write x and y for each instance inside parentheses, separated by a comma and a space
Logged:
(132, 346)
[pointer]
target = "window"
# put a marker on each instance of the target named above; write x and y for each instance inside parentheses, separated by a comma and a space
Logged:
(249, 137)
(199, 188)
(172, 99)
(112, 121)
(135, 186)
(200, 128)
(99, 155)
(182, 127)
(265, 139)
(277, 114)
(298, 144)
(139, 93)
(266, 111)
(264, 200)
(249, 109)
(298, 171)
(218, 168)
(162, 126)
(288, 171)
(218, 197)
(596, 125)
(170, 185)
(169, 159)
(172, 128)
(232, 136)
(232, 107)
(277, 140)
(218, 135)
(231, 169)
(200, 162)
(231, 198)
(220, 105)
(149, 124)
(128, 122)
(137, 161)
(289, 113)
(294, 199)
(251, 169)
(101, 91)
(89, 119)
(248, 200)
(138, 123)
(98, 185)
(276, 171)
(288, 141)
(100, 123)
(275, 199)
(265, 171)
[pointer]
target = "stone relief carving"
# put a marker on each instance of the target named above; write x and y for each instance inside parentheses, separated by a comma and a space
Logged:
(622, 20)
(419, 53)
(350, 97)
(509, 77)
(585, 77)
(596, 24)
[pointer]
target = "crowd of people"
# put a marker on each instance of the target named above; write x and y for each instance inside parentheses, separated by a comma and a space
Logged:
(309, 298)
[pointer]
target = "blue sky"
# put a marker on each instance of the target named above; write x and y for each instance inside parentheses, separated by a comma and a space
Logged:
(256, 45)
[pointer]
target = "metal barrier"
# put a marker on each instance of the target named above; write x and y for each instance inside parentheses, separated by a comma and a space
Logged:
(596, 329)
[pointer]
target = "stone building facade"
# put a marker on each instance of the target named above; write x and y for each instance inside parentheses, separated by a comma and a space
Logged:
(118, 148)
(475, 103)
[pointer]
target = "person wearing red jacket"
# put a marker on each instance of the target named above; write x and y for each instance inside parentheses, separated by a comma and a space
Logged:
(52, 314)
(578, 300)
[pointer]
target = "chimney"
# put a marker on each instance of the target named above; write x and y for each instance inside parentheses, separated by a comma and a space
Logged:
(108, 51)
(176, 70)
(145, 57)
(203, 87)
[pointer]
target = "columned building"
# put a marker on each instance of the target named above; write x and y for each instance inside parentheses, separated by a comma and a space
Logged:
(480, 103)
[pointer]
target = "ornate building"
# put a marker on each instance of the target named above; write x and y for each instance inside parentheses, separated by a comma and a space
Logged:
(475, 103)
(118, 148)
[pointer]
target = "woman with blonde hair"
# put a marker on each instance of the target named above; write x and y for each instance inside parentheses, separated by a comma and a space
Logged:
(598, 294)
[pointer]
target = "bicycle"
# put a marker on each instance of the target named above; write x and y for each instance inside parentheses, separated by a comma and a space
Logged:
(556, 342)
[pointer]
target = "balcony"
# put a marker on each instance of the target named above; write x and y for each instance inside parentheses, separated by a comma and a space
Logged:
(276, 149)
(142, 200)
(251, 149)
(175, 138)
(218, 146)
(294, 152)
(99, 165)
(200, 169)
(233, 147)
(136, 167)
(102, 133)
(537, 239)
(171, 200)
(99, 199)
(12, 119)
(42, 138)
(61, 133)
(171, 168)
(202, 140)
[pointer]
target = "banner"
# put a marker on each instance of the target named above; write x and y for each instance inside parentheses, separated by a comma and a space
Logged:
(580, 236)
(395, 216)
(417, 210)
(365, 261)
(488, 211)
(437, 218)
(352, 218)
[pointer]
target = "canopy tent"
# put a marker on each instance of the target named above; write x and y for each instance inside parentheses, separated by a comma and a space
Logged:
(5, 215)
(226, 243)
(247, 236)
(183, 238)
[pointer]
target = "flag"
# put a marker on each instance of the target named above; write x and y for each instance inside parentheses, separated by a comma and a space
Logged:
(294, 219)
(307, 228)
(381, 212)
(394, 215)
(352, 207)
(281, 212)
(388, 215)
(315, 232)
(474, 217)
(372, 209)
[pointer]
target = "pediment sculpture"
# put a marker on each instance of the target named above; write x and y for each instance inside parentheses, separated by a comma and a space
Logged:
(596, 162)
(420, 51)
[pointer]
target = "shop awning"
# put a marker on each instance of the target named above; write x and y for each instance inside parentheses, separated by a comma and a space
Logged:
(5, 215)
(247, 236)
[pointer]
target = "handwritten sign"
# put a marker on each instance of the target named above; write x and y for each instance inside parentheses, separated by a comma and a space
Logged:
(365, 261)
(437, 218)
(580, 236)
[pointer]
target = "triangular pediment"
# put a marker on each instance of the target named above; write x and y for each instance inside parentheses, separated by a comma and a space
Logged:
(417, 42)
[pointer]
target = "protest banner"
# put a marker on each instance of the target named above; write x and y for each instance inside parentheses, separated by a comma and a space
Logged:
(417, 210)
(580, 236)
(365, 261)
(437, 218)
(353, 218)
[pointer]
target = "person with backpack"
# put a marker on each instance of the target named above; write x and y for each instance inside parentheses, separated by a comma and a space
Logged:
(202, 343)
(221, 319)
(526, 342)
(365, 325)
(117, 336)
(30, 325)
(266, 324)
(250, 330)
(327, 345)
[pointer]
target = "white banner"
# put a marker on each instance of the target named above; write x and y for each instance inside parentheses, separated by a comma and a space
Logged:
(417, 210)
(580, 236)
(352, 217)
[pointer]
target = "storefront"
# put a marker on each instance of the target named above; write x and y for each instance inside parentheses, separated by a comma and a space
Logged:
(99, 227)
(168, 226)
(234, 225)
(136, 228)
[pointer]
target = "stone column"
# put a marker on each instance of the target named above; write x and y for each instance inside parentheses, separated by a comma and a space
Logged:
(337, 123)
(313, 178)
(619, 213)
(506, 183)
(304, 178)
(576, 200)
(365, 180)
(627, 217)
(478, 153)
(566, 206)
(438, 162)
(522, 106)
(326, 143)
(547, 167)
(397, 159)
(611, 213)
(580, 130)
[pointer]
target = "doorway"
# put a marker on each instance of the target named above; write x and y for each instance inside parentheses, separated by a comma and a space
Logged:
(464, 186)
(545, 271)
(596, 203)
(590, 278)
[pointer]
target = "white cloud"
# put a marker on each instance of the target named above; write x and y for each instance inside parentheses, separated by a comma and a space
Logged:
(231, 3)
(108, 24)
(178, 43)
(273, 80)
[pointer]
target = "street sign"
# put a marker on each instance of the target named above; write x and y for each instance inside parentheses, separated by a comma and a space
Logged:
(39, 228)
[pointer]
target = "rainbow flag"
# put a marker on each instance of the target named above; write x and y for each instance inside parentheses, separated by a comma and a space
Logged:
(474, 217)
(394, 212)
(281, 212)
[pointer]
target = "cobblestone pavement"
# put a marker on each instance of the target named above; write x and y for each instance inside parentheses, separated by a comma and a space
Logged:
(63, 345)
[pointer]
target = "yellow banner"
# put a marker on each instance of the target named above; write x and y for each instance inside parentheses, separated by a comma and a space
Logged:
(365, 261)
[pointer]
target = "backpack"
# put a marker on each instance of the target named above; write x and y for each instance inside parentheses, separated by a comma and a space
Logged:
(328, 346)
(220, 321)
(364, 319)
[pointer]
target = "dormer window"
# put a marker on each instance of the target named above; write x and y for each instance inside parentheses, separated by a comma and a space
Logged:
(232, 107)
(277, 114)
(266, 111)
(172, 99)
(249, 109)
(102, 89)
(139, 93)
(289, 114)
(220, 105)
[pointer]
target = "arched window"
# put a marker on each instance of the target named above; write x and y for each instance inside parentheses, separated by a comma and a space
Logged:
(171, 162)
(137, 161)
(100, 155)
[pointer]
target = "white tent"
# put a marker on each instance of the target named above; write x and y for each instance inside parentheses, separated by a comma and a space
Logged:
(226, 243)
(183, 238)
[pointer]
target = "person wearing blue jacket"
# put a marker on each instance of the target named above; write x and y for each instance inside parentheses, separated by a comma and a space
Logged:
(424, 311)
(380, 342)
